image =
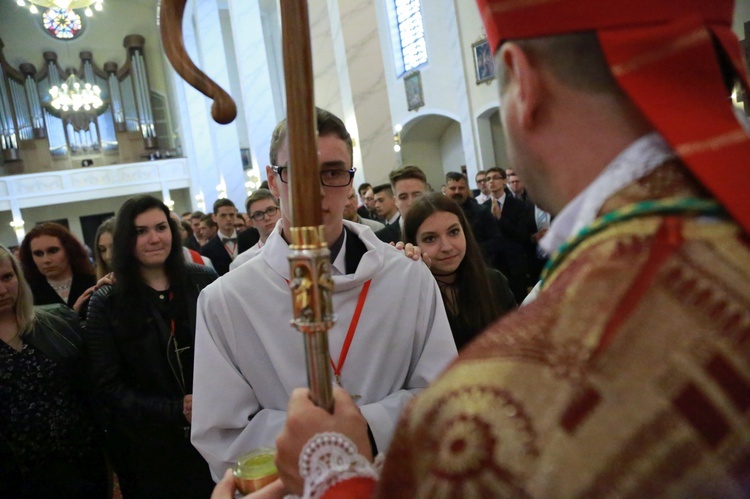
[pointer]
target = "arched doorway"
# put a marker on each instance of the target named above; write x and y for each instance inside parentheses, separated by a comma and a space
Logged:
(433, 142)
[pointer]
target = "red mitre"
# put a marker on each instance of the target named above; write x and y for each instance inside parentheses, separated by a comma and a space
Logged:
(662, 54)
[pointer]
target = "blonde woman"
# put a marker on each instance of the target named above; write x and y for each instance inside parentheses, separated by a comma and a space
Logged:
(48, 444)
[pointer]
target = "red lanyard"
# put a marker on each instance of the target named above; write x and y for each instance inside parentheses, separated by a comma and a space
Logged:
(171, 322)
(350, 333)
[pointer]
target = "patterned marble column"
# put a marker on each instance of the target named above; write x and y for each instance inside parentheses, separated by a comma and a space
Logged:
(349, 80)
(360, 68)
(460, 90)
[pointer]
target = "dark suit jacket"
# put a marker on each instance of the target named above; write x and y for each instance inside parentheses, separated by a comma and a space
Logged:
(192, 243)
(391, 233)
(215, 250)
(516, 226)
(483, 227)
(247, 238)
(363, 212)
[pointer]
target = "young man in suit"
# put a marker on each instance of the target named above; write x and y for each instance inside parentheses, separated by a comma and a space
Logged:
(407, 184)
(223, 248)
(515, 220)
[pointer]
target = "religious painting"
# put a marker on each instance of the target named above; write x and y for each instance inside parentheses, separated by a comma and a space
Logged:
(484, 63)
(245, 155)
(414, 95)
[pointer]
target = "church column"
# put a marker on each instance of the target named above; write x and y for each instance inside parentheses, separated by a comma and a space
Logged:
(460, 90)
(223, 138)
(195, 135)
(262, 100)
(359, 64)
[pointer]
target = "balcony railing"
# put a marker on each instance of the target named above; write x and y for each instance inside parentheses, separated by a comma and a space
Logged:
(68, 186)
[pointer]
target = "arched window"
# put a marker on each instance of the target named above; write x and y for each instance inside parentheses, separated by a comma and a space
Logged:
(407, 32)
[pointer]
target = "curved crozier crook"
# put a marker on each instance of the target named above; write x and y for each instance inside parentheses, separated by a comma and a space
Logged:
(223, 109)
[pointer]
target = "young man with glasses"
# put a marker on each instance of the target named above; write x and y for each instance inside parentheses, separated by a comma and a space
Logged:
(263, 213)
(483, 186)
(248, 359)
(515, 220)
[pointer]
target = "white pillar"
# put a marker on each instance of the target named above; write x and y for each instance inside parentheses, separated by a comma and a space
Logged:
(361, 74)
(224, 141)
(255, 69)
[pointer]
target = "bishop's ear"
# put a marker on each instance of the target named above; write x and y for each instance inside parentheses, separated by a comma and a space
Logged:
(520, 82)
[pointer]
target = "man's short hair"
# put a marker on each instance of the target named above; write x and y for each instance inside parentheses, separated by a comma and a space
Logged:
(327, 123)
(219, 203)
(406, 172)
(383, 188)
(480, 172)
(497, 169)
(259, 195)
(209, 221)
(364, 186)
(456, 177)
(576, 59)
(197, 214)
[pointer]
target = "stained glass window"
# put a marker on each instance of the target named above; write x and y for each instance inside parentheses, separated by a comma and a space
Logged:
(62, 23)
(407, 15)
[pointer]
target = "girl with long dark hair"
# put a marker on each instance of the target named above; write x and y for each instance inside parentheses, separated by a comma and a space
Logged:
(141, 338)
(474, 295)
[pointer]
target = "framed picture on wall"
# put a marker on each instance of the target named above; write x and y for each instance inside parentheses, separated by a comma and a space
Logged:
(484, 64)
(245, 155)
(414, 95)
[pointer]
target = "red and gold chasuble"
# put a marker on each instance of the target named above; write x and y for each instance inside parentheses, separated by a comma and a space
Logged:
(629, 376)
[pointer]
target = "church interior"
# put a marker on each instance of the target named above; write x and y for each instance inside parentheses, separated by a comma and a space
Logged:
(92, 113)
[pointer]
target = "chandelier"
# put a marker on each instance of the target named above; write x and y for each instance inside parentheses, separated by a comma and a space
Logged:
(63, 4)
(75, 96)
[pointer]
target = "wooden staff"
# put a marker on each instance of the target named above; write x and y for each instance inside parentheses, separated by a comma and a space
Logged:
(309, 261)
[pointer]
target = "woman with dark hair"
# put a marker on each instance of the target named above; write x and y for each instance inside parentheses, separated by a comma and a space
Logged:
(48, 444)
(474, 295)
(103, 240)
(140, 338)
(57, 267)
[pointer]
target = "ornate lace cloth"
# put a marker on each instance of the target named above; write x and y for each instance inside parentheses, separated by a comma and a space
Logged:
(330, 458)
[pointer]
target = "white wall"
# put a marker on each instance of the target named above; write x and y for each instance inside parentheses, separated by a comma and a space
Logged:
(451, 149)
(426, 155)
(499, 147)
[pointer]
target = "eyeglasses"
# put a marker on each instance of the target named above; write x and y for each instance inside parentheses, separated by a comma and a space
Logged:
(329, 178)
(494, 177)
(260, 215)
(483, 181)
